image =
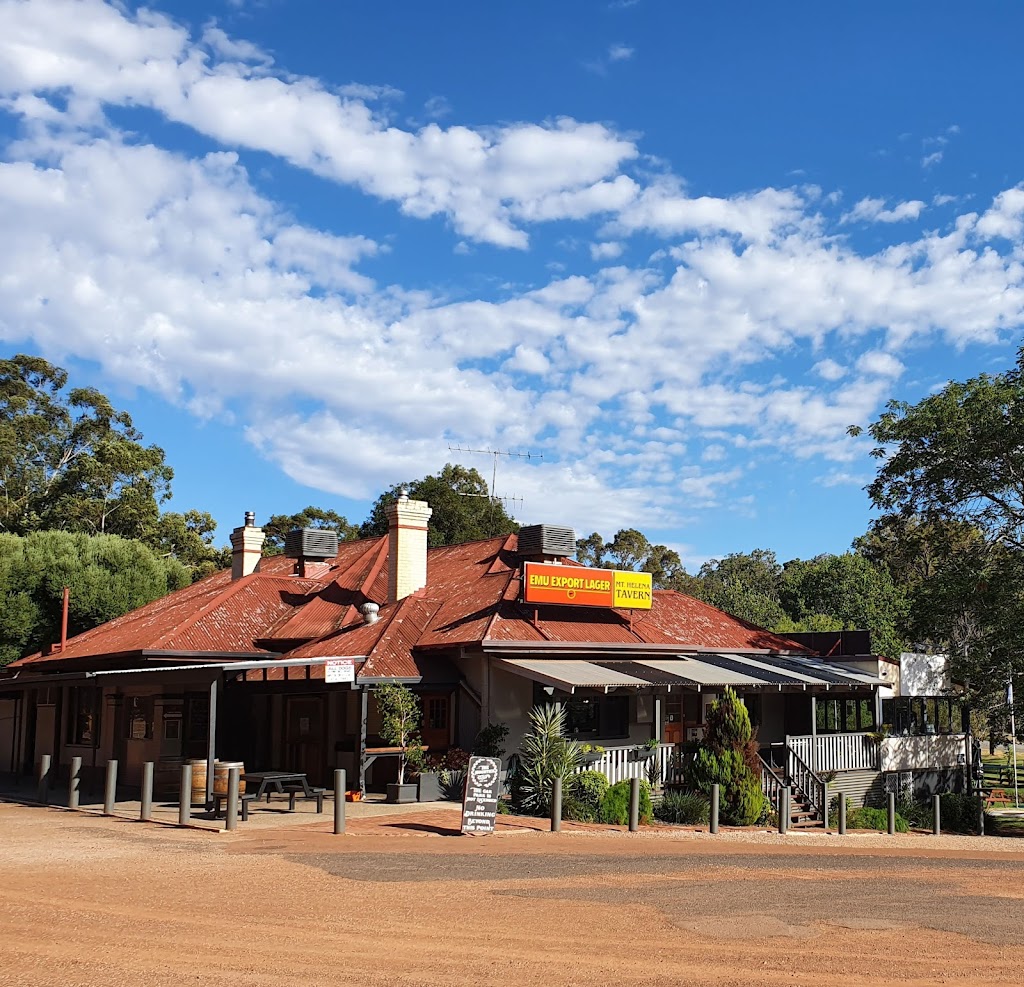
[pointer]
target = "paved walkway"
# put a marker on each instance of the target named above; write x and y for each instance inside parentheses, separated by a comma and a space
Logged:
(261, 816)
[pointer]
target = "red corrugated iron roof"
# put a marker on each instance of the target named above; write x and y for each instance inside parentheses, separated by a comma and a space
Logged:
(471, 597)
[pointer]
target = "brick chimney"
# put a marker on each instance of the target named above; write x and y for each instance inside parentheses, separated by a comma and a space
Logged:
(407, 546)
(246, 547)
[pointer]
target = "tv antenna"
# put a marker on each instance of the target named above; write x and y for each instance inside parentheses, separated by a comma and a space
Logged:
(495, 454)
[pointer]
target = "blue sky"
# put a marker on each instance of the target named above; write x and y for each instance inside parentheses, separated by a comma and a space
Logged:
(673, 249)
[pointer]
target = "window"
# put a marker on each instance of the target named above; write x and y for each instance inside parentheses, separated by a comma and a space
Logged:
(589, 718)
(850, 714)
(916, 716)
(139, 718)
(437, 713)
(84, 716)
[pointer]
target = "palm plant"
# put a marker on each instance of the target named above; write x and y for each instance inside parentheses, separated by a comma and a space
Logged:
(545, 754)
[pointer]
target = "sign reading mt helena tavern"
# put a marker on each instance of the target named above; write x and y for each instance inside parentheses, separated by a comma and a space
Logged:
(576, 586)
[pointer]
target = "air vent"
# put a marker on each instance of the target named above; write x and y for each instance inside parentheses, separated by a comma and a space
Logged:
(548, 540)
(311, 543)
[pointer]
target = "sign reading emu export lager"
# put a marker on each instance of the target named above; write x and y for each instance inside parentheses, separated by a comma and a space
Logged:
(579, 587)
(480, 799)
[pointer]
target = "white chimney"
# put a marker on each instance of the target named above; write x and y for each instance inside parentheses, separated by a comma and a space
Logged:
(407, 546)
(246, 548)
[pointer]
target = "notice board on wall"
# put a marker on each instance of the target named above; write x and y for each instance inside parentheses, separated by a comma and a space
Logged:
(480, 799)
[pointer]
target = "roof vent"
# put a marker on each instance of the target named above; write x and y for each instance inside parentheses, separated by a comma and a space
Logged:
(549, 540)
(370, 613)
(311, 543)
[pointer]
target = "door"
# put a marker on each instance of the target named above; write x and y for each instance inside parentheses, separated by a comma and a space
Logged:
(304, 737)
(437, 721)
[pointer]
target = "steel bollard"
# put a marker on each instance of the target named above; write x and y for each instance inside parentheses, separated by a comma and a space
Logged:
(936, 815)
(891, 813)
(714, 810)
(981, 815)
(634, 804)
(783, 810)
(232, 808)
(185, 796)
(842, 813)
(339, 801)
(146, 809)
(43, 781)
(75, 783)
(110, 789)
(556, 806)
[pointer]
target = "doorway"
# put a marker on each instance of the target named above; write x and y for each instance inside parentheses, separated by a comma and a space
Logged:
(304, 737)
(437, 721)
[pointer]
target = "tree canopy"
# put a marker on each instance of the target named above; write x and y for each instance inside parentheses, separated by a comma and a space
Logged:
(279, 525)
(108, 576)
(69, 460)
(463, 509)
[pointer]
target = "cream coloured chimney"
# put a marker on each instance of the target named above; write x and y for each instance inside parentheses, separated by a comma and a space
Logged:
(246, 548)
(407, 546)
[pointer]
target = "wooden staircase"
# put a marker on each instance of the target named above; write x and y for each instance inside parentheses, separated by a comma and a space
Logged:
(804, 813)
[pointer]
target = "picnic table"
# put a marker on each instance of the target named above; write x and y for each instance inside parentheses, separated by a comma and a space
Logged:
(294, 784)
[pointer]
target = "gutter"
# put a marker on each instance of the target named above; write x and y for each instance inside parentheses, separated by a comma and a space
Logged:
(592, 647)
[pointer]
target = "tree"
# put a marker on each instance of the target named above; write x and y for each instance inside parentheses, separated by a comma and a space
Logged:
(544, 755)
(744, 585)
(630, 549)
(952, 466)
(590, 551)
(463, 509)
(957, 455)
(188, 538)
(71, 460)
(849, 591)
(400, 715)
(310, 517)
(108, 576)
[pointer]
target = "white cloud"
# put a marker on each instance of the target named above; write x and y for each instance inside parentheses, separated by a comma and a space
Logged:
(828, 369)
(871, 210)
(880, 364)
(620, 53)
(605, 251)
(930, 160)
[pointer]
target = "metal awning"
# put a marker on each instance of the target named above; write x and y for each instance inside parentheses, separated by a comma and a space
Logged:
(692, 671)
(570, 674)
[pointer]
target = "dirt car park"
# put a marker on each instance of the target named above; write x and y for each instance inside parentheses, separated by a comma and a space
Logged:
(401, 898)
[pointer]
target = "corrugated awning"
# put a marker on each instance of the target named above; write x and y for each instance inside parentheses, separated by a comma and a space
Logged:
(570, 673)
(694, 671)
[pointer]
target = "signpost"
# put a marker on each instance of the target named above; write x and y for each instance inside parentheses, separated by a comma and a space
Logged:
(480, 799)
(340, 670)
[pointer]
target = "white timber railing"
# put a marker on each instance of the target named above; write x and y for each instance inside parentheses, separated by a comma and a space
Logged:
(621, 763)
(837, 751)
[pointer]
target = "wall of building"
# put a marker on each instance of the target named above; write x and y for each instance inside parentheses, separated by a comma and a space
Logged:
(920, 753)
(8, 746)
(924, 675)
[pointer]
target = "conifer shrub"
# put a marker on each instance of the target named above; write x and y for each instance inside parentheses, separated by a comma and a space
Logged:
(728, 757)
(683, 807)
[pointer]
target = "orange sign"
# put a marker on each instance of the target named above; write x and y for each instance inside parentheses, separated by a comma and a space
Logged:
(571, 585)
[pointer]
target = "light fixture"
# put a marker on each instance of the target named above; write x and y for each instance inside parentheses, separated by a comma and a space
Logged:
(549, 689)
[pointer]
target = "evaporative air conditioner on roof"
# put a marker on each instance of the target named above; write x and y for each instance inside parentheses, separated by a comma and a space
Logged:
(311, 543)
(550, 540)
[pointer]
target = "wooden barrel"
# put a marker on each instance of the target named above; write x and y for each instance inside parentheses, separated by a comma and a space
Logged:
(198, 780)
(220, 776)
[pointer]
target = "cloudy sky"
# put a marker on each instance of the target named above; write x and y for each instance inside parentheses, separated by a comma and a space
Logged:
(671, 250)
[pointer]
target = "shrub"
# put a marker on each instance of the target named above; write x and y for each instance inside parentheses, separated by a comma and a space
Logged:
(683, 807)
(589, 788)
(452, 782)
(490, 742)
(727, 757)
(578, 810)
(868, 818)
(615, 804)
(958, 813)
(545, 755)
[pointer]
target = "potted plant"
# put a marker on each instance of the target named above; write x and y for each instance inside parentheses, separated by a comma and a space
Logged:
(591, 753)
(399, 710)
(646, 750)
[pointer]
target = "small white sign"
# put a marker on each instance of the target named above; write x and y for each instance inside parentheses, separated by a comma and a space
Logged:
(340, 670)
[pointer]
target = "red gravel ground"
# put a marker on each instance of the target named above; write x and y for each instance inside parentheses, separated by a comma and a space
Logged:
(405, 901)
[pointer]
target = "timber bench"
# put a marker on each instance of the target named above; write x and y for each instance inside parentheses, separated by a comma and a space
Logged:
(997, 795)
(244, 798)
(305, 792)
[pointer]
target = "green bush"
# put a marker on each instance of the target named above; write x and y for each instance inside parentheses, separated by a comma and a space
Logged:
(615, 804)
(727, 757)
(958, 813)
(589, 788)
(868, 818)
(578, 810)
(683, 807)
